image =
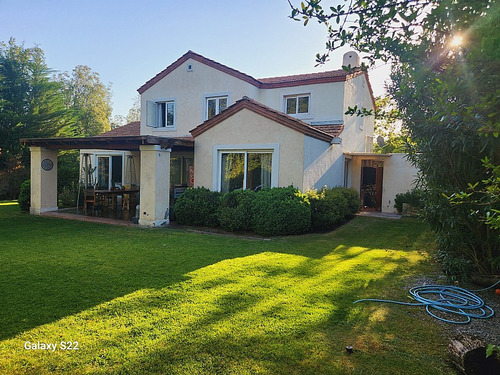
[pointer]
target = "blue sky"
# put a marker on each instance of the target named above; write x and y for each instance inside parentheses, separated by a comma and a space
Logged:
(128, 42)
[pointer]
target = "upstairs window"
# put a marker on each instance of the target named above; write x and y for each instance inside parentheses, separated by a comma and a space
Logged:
(160, 114)
(297, 104)
(215, 105)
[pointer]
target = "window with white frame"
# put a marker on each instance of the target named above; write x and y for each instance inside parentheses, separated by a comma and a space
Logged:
(297, 104)
(245, 170)
(160, 114)
(215, 105)
(109, 171)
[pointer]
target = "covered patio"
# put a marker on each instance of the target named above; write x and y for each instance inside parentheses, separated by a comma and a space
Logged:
(153, 152)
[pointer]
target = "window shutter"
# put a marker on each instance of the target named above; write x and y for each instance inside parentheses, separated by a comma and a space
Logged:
(151, 114)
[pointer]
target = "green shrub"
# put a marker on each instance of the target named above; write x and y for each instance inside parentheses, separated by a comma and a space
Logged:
(413, 198)
(198, 206)
(68, 170)
(353, 202)
(15, 179)
(330, 207)
(236, 210)
(25, 196)
(281, 211)
(68, 196)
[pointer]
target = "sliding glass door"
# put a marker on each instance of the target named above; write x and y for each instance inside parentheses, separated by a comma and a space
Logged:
(109, 171)
(245, 170)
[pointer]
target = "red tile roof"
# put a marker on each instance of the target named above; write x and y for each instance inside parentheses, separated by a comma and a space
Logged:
(261, 109)
(334, 129)
(263, 83)
(307, 79)
(130, 129)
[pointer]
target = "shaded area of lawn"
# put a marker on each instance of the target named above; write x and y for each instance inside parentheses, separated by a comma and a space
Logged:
(168, 301)
(52, 268)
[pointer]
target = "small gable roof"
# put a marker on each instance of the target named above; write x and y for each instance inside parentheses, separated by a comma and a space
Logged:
(339, 75)
(262, 110)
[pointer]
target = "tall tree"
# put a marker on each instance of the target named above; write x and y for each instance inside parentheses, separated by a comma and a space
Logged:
(89, 100)
(134, 113)
(446, 84)
(31, 104)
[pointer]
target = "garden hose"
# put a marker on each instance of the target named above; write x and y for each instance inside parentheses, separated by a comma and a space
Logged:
(447, 300)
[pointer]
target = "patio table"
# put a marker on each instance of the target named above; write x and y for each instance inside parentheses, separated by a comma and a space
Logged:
(113, 194)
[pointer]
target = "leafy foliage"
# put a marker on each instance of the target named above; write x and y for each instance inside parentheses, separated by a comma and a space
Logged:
(88, 99)
(269, 212)
(413, 197)
(35, 104)
(331, 207)
(281, 211)
(134, 113)
(25, 196)
(235, 212)
(31, 104)
(198, 206)
(448, 95)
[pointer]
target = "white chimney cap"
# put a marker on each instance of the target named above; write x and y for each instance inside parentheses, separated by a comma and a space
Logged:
(351, 58)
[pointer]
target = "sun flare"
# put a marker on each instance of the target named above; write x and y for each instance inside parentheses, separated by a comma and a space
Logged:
(457, 41)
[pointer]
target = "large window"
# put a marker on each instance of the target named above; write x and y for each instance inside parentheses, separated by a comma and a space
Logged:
(160, 114)
(245, 170)
(297, 104)
(215, 105)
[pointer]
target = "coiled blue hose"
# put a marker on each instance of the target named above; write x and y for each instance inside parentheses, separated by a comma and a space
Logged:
(447, 300)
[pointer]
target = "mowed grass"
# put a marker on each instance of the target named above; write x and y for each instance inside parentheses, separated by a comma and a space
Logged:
(164, 301)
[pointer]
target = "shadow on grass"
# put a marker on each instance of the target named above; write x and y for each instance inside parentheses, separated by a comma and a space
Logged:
(263, 313)
(53, 268)
(196, 303)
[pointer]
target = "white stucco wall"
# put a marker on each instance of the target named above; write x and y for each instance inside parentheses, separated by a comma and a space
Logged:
(356, 129)
(247, 127)
(189, 90)
(399, 177)
(326, 100)
(323, 164)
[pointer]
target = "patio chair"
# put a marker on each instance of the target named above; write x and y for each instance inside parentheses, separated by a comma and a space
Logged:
(89, 198)
(126, 202)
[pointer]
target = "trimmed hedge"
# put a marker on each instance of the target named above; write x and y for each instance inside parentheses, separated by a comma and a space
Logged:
(198, 206)
(268, 212)
(413, 198)
(235, 212)
(331, 207)
(281, 211)
(25, 196)
(353, 201)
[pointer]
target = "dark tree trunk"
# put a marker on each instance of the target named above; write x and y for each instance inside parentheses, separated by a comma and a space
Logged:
(468, 354)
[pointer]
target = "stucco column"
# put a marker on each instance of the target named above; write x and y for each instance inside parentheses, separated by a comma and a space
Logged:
(43, 180)
(155, 186)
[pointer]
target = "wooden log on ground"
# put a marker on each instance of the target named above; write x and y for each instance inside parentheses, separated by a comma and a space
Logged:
(468, 354)
(484, 280)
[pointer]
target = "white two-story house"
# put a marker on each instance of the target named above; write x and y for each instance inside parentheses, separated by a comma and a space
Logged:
(206, 124)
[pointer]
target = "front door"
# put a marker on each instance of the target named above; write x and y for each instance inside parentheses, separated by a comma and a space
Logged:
(372, 173)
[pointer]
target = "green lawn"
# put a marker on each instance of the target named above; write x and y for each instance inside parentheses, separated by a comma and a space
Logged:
(165, 301)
